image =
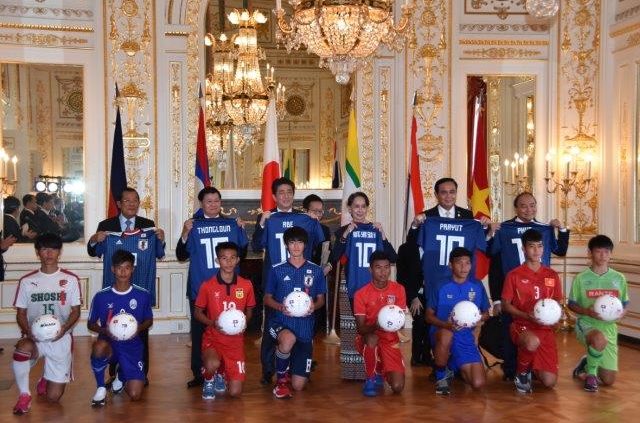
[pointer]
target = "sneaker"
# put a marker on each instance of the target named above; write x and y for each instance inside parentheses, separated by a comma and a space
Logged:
(23, 405)
(523, 383)
(443, 387)
(41, 387)
(282, 390)
(219, 384)
(100, 397)
(208, 390)
(581, 367)
(591, 384)
(370, 389)
(117, 386)
(379, 381)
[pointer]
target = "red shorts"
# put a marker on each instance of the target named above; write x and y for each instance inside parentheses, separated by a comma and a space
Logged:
(546, 356)
(230, 349)
(389, 355)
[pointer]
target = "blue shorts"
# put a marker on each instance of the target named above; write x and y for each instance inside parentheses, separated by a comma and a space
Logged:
(463, 349)
(301, 353)
(128, 355)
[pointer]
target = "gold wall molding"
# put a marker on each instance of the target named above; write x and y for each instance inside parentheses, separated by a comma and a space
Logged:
(503, 27)
(632, 40)
(624, 30)
(502, 53)
(501, 8)
(176, 34)
(366, 137)
(39, 11)
(385, 122)
(473, 42)
(328, 128)
(42, 40)
(58, 28)
(175, 90)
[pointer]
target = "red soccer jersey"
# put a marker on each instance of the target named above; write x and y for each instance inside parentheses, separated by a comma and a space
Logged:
(369, 300)
(216, 296)
(523, 288)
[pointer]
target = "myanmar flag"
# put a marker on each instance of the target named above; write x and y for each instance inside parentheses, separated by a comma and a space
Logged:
(352, 174)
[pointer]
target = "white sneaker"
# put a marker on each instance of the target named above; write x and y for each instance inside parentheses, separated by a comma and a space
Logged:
(99, 398)
(117, 386)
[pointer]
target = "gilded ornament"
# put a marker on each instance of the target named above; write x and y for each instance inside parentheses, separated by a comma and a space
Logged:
(429, 51)
(428, 18)
(583, 18)
(129, 8)
(130, 47)
(295, 105)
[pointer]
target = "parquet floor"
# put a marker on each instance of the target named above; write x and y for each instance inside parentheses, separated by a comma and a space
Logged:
(328, 399)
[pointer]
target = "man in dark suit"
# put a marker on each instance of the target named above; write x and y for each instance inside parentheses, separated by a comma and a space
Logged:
(10, 223)
(128, 219)
(43, 219)
(27, 215)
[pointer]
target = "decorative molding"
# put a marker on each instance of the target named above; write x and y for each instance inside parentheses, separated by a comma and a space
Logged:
(60, 28)
(502, 53)
(42, 40)
(385, 122)
(501, 8)
(175, 90)
(176, 34)
(366, 137)
(624, 30)
(467, 41)
(632, 11)
(633, 40)
(327, 136)
(27, 11)
(504, 27)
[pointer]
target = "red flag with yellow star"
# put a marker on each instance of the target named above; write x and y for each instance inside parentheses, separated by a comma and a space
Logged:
(478, 181)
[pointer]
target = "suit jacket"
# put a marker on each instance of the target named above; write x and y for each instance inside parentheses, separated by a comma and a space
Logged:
(112, 224)
(12, 227)
(409, 271)
(459, 212)
(45, 224)
(27, 216)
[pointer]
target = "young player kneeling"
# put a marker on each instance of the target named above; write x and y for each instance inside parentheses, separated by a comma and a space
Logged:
(223, 352)
(455, 346)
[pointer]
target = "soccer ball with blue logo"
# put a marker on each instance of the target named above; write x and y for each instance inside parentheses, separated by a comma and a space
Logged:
(465, 314)
(547, 311)
(123, 326)
(232, 321)
(297, 303)
(46, 327)
(391, 318)
(608, 307)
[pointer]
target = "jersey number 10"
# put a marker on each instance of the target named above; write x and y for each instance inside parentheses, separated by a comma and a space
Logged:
(448, 243)
(210, 250)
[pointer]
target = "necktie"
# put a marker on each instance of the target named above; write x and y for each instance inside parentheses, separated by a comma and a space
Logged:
(448, 213)
(128, 223)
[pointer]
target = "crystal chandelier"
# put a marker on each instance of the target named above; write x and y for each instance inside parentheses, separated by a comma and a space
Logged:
(542, 9)
(343, 32)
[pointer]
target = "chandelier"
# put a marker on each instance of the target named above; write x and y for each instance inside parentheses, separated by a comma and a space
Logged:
(343, 33)
(542, 9)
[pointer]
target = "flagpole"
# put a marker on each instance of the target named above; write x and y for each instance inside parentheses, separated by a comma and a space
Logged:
(333, 338)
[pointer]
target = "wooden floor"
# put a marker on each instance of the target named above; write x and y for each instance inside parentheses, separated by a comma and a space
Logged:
(327, 398)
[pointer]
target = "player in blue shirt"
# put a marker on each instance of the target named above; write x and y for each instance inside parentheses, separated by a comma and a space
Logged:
(121, 297)
(293, 335)
(455, 348)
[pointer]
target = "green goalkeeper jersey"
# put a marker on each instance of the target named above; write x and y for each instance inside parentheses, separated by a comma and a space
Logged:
(588, 286)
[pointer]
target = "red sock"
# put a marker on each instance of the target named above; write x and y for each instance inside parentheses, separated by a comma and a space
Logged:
(378, 365)
(370, 356)
(206, 375)
(525, 359)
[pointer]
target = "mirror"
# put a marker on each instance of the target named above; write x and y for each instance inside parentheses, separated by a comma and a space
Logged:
(42, 126)
(316, 107)
(509, 104)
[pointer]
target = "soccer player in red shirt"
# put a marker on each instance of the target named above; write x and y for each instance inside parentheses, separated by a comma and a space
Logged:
(380, 349)
(222, 353)
(536, 343)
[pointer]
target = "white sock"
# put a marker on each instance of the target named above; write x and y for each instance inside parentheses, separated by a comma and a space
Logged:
(21, 371)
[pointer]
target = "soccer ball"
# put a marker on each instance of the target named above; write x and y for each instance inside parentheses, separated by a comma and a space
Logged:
(608, 307)
(465, 314)
(123, 326)
(547, 311)
(297, 303)
(46, 327)
(232, 321)
(391, 318)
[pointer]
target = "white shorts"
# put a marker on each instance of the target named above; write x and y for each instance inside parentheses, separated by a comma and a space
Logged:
(57, 359)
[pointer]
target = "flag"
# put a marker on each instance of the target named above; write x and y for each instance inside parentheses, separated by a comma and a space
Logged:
(352, 167)
(336, 178)
(202, 159)
(478, 180)
(415, 198)
(118, 179)
(270, 157)
(287, 165)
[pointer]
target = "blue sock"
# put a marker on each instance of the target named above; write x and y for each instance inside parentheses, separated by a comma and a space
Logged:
(282, 363)
(98, 365)
(441, 373)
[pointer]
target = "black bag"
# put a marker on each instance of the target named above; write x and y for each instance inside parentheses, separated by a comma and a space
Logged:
(490, 339)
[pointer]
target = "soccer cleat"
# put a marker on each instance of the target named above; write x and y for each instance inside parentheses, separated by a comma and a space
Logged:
(208, 390)
(523, 382)
(370, 389)
(580, 368)
(100, 397)
(591, 384)
(282, 390)
(219, 384)
(41, 387)
(443, 387)
(379, 381)
(23, 405)
(117, 386)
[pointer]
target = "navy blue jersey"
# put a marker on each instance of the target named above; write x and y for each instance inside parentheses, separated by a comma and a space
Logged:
(361, 242)
(507, 242)
(273, 235)
(109, 302)
(145, 247)
(438, 236)
(448, 293)
(285, 278)
(201, 245)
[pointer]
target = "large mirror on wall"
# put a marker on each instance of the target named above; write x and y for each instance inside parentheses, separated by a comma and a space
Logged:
(313, 109)
(506, 105)
(41, 156)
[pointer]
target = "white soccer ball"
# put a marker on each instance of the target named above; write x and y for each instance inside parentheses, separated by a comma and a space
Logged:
(608, 307)
(232, 321)
(46, 327)
(465, 314)
(391, 318)
(297, 303)
(547, 311)
(123, 326)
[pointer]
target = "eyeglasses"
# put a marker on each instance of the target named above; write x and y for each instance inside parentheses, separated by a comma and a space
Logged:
(317, 212)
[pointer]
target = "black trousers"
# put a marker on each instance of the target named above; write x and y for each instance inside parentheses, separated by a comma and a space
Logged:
(197, 330)
(509, 349)
(420, 339)
(268, 346)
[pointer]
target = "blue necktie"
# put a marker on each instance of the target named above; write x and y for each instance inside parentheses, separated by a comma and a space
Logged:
(128, 223)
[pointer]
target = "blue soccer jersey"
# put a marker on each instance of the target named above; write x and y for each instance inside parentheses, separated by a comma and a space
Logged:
(437, 237)
(285, 278)
(507, 242)
(273, 235)
(109, 302)
(201, 245)
(361, 242)
(145, 247)
(448, 293)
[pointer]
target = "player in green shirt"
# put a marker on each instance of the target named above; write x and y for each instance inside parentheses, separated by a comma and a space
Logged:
(599, 336)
